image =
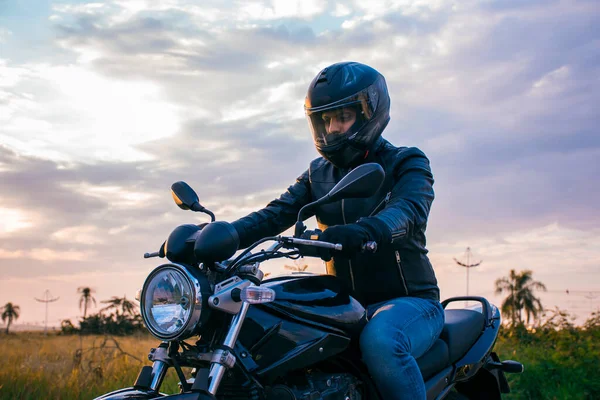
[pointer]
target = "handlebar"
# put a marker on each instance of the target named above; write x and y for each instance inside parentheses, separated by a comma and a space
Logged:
(369, 247)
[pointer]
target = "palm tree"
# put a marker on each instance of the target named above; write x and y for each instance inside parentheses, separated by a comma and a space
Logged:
(117, 303)
(10, 312)
(86, 298)
(520, 287)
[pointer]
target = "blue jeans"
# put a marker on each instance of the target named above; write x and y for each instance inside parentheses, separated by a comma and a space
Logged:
(399, 331)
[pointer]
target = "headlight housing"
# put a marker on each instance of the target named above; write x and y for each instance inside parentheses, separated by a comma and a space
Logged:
(171, 302)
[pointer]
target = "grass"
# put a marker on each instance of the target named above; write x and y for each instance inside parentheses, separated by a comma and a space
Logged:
(36, 367)
(559, 364)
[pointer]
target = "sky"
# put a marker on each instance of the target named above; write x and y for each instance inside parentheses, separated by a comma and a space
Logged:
(103, 105)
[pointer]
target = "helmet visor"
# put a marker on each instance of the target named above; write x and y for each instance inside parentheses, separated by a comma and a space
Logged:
(333, 123)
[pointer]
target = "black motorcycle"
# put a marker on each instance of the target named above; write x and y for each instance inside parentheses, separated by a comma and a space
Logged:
(292, 337)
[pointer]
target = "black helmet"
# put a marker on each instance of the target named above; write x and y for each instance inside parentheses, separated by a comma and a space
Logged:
(347, 107)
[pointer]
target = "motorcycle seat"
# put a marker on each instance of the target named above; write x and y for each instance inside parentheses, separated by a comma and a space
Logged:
(461, 330)
(434, 360)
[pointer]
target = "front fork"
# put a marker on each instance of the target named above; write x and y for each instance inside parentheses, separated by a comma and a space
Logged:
(221, 360)
(220, 365)
(159, 370)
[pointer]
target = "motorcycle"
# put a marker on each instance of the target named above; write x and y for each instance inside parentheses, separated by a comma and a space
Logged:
(291, 337)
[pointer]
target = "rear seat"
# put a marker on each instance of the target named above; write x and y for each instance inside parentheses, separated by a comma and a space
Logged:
(461, 330)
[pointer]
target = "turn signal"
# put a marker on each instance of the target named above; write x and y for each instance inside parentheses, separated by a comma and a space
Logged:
(257, 295)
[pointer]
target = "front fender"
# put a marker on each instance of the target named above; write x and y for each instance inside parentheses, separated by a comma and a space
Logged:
(131, 394)
(140, 394)
(202, 395)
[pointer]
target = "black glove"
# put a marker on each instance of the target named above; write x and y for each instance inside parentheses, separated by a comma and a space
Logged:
(351, 237)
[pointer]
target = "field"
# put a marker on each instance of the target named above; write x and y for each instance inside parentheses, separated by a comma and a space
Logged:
(38, 367)
(558, 365)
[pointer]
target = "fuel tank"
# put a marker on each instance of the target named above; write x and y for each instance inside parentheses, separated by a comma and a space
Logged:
(318, 298)
(312, 319)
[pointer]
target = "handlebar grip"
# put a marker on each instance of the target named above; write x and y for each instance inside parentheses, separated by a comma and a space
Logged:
(369, 247)
(150, 255)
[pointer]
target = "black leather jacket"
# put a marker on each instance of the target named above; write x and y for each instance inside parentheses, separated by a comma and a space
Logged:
(399, 211)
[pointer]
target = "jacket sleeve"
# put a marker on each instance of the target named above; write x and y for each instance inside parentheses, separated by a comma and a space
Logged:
(410, 201)
(277, 216)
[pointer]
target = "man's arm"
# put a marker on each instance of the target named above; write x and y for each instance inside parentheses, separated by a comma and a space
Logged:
(277, 216)
(410, 201)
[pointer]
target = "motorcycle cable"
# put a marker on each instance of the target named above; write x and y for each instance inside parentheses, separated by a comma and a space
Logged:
(248, 250)
(264, 256)
(173, 353)
(269, 255)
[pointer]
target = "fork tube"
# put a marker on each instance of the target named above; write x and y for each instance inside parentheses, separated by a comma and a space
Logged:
(236, 326)
(217, 370)
(159, 370)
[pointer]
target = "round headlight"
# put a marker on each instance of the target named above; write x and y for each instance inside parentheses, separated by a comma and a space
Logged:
(171, 302)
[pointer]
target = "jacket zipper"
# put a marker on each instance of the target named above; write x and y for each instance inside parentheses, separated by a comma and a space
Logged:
(349, 261)
(399, 262)
(385, 200)
(397, 234)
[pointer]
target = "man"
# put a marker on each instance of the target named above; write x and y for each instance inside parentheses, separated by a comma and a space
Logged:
(347, 107)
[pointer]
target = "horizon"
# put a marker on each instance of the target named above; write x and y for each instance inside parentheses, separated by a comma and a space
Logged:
(104, 105)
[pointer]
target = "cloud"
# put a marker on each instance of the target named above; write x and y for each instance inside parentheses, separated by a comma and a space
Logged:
(81, 112)
(4, 34)
(501, 95)
(277, 9)
(50, 255)
(341, 10)
(87, 234)
(468, 79)
(10, 255)
(13, 220)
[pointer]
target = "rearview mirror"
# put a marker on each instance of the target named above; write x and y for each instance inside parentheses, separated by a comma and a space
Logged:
(363, 181)
(185, 197)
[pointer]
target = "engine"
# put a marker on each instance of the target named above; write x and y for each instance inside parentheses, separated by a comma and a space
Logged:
(312, 386)
(319, 386)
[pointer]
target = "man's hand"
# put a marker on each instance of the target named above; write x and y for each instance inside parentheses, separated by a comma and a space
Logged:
(351, 237)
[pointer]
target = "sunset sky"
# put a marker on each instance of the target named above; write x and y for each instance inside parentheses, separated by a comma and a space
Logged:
(104, 105)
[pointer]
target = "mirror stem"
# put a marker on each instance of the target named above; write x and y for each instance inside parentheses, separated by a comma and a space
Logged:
(300, 227)
(212, 216)
(198, 208)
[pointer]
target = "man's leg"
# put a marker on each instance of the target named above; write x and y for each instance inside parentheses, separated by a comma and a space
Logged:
(399, 331)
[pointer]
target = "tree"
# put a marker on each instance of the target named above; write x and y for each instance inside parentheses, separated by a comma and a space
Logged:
(520, 289)
(10, 312)
(86, 298)
(117, 303)
(67, 327)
